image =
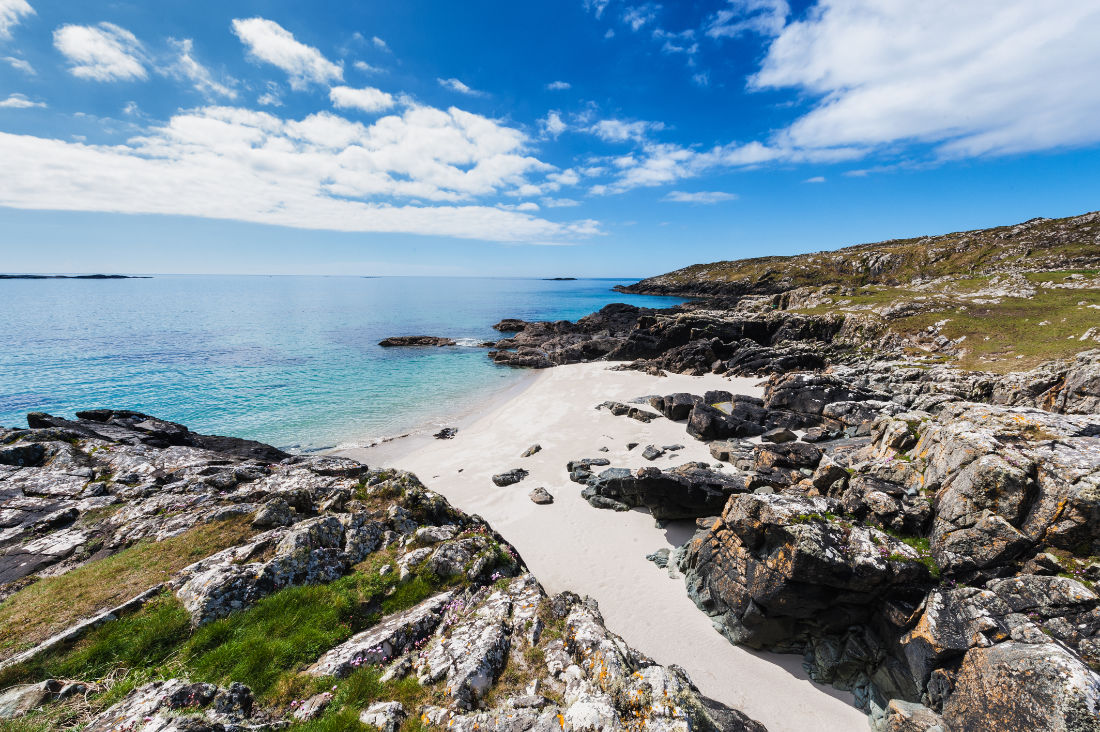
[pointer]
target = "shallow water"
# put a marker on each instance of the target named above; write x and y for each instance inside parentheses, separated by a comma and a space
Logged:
(293, 361)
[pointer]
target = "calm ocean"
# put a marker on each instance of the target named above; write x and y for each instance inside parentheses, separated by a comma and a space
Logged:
(293, 361)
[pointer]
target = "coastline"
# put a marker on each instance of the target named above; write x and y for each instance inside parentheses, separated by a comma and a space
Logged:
(571, 545)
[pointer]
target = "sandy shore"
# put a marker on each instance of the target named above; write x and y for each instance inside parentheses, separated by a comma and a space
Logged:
(570, 545)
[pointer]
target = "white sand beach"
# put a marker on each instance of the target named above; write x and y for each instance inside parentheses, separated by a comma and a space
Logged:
(571, 545)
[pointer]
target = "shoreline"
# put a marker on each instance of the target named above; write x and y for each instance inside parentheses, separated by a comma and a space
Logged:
(571, 545)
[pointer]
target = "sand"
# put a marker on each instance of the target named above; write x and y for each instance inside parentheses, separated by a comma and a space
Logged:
(570, 545)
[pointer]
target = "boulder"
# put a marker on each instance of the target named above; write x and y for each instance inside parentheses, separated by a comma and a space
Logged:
(778, 435)
(688, 491)
(509, 477)
(416, 341)
(541, 496)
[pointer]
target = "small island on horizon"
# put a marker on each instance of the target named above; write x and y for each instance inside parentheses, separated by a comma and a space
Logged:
(74, 277)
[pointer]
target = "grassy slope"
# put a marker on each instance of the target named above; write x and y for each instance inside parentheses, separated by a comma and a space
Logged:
(54, 603)
(1036, 245)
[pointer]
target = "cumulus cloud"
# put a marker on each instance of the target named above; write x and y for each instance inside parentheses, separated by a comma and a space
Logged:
(319, 172)
(186, 67)
(559, 86)
(19, 64)
(552, 125)
(269, 42)
(19, 101)
(11, 13)
(367, 99)
(457, 86)
(973, 78)
(103, 52)
(699, 197)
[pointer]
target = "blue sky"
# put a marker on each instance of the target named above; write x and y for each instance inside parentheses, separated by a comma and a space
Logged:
(576, 137)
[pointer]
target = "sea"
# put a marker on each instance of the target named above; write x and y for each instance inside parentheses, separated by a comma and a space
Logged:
(291, 361)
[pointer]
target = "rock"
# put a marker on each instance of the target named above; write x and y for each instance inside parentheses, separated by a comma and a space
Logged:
(447, 433)
(509, 477)
(739, 417)
(416, 341)
(652, 452)
(659, 557)
(275, 512)
(19, 700)
(386, 716)
(619, 410)
(531, 450)
(384, 641)
(1015, 685)
(312, 707)
(541, 496)
(510, 325)
(688, 491)
(903, 716)
(777, 566)
(778, 435)
(176, 704)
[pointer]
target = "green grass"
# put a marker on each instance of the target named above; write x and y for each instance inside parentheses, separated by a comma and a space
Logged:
(53, 603)
(265, 647)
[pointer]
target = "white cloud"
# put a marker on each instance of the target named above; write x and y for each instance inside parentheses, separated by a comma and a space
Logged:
(764, 17)
(379, 43)
(457, 86)
(701, 79)
(366, 68)
(596, 6)
(273, 97)
(640, 15)
(559, 86)
(103, 52)
(19, 64)
(560, 202)
(320, 172)
(815, 179)
(131, 109)
(699, 197)
(553, 125)
(616, 130)
(186, 67)
(269, 42)
(11, 12)
(972, 78)
(19, 101)
(609, 34)
(368, 99)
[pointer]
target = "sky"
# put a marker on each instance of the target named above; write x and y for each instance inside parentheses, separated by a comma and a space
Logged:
(611, 138)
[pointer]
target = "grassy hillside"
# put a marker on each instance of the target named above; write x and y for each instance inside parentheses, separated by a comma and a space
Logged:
(1037, 245)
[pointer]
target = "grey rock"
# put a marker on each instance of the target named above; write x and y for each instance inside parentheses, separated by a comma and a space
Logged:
(541, 496)
(509, 477)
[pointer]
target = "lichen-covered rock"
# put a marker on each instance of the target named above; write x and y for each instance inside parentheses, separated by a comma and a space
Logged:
(178, 705)
(1015, 685)
(776, 567)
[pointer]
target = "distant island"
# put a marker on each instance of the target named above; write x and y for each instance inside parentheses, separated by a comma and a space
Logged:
(74, 277)
(559, 279)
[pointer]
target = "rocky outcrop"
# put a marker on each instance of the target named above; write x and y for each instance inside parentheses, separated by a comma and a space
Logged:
(490, 647)
(689, 491)
(416, 341)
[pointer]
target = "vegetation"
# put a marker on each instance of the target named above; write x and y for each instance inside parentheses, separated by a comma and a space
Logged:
(265, 647)
(51, 604)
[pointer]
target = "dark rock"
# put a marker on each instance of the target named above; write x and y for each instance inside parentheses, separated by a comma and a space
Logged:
(531, 450)
(416, 341)
(652, 452)
(509, 477)
(688, 491)
(778, 435)
(619, 410)
(447, 433)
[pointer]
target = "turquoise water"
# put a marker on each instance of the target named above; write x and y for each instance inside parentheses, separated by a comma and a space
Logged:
(293, 361)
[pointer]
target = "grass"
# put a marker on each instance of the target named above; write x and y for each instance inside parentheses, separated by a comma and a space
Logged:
(53, 603)
(265, 647)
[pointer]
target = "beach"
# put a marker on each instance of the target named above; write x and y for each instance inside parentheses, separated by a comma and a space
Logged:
(569, 545)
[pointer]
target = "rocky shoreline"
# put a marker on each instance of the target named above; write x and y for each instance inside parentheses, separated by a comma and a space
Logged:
(445, 604)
